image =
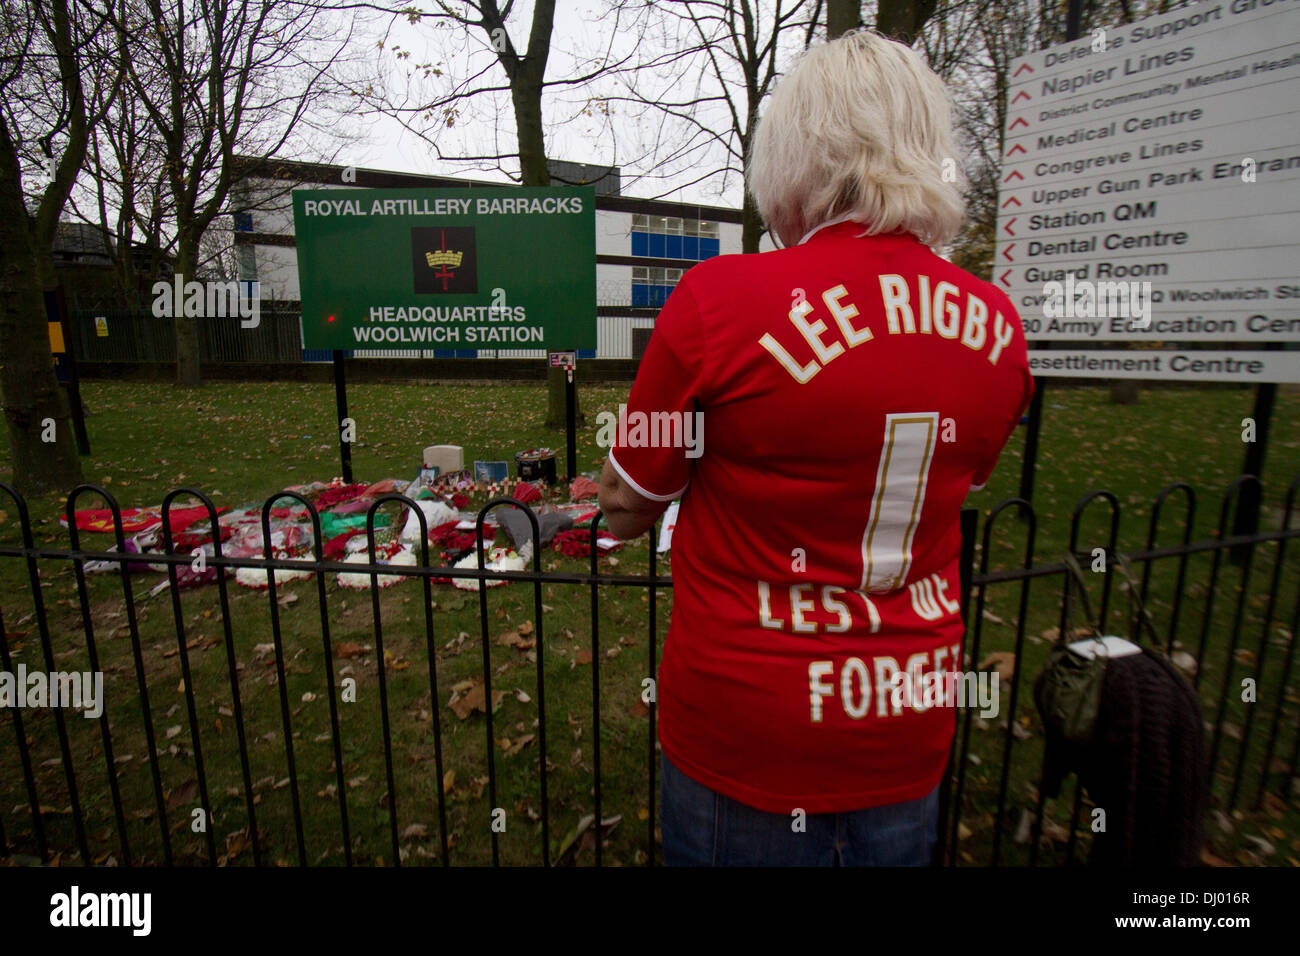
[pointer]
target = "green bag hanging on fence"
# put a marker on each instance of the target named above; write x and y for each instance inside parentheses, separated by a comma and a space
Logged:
(1068, 690)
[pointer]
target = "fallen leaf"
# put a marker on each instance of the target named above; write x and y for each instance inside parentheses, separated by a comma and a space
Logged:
(236, 843)
(463, 705)
(518, 744)
(1209, 859)
(1003, 662)
(516, 639)
(183, 794)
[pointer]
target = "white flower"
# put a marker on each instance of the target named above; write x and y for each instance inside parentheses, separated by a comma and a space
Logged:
(361, 581)
(258, 578)
(499, 559)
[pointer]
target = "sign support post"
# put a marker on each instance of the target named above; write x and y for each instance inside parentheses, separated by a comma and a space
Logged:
(341, 414)
(570, 423)
(569, 362)
(1247, 519)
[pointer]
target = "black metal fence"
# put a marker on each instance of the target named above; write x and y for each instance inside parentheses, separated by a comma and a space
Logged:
(275, 336)
(83, 801)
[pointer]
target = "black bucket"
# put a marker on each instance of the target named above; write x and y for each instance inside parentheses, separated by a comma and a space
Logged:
(536, 463)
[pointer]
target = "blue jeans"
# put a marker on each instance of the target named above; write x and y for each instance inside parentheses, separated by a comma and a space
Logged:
(701, 827)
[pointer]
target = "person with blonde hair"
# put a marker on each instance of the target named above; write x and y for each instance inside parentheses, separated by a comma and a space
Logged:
(849, 389)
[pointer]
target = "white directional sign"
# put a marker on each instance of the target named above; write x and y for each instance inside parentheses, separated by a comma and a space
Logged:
(1164, 152)
(1201, 365)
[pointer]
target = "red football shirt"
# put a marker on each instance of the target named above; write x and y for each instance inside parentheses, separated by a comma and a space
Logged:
(851, 390)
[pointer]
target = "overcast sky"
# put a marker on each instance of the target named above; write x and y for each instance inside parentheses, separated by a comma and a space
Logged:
(580, 33)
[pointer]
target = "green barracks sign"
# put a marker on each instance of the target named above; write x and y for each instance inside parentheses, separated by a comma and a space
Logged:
(447, 268)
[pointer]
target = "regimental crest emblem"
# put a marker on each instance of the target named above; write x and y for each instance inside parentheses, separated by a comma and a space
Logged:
(444, 259)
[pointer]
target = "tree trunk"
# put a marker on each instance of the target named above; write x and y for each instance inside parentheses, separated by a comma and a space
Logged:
(751, 229)
(842, 16)
(188, 373)
(35, 405)
(902, 19)
(527, 96)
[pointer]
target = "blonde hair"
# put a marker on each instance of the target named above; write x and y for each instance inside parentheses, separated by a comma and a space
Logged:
(860, 128)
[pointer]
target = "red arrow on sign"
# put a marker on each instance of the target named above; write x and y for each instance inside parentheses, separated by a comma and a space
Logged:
(1003, 278)
(1014, 174)
(1006, 253)
(1022, 67)
(1010, 200)
(1020, 121)
(1018, 96)
(1013, 149)
(1008, 228)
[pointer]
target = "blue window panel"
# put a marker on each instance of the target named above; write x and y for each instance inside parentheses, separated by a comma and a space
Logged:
(323, 355)
(640, 244)
(657, 246)
(708, 248)
(586, 353)
(243, 222)
(690, 247)
(674, 247)
(640, 295)
(663, 291)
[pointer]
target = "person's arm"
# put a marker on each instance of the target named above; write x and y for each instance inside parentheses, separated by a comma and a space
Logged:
(642, 476)
(627, 514)
(982, 476)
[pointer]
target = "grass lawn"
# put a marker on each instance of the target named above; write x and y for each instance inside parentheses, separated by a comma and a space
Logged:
(240, 443)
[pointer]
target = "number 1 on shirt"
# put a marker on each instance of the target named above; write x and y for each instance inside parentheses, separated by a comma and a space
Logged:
(905, 456)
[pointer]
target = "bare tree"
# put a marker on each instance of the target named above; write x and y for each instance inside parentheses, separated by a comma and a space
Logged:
(219, 80)
(45, 47)
(126, 194)
(439, 98)
(716, 61)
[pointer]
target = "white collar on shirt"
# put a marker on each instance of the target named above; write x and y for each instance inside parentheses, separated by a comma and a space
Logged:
(829, 222)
